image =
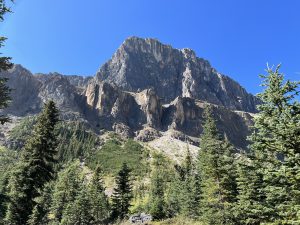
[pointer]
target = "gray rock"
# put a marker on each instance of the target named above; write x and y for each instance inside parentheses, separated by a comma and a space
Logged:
(147, 63)
(146, 89)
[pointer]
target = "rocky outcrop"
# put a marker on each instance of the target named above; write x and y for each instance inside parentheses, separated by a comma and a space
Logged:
(145, 91)
(30, 92)
(146, 63)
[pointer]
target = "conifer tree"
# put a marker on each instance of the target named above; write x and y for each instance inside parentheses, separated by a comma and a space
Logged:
(276, 148)
(100, 209)
(215, 171)
(36, 167)
(157, 198)
(20, 196)
(251, 197)
(40, 150)
(78, 211)
(67, 187)
(41, 210)
(122, 194)
(174, 196)
(5, 64)
(190, 199)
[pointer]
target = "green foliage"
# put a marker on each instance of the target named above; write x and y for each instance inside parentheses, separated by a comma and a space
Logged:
(183, 194)
(8, 159)
(78, 212)
(217, 171)
(251, 198)
(275, 149)
(113, 154)
(39, 215)
(20, 196)
(75, 141)
(122, 194)
(68, 186)
(35, 168)
(5, 64)
(76, 200)
(23, 130)
(157, 193)
(100, 208)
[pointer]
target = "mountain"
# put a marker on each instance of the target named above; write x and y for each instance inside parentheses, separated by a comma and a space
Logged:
(147, 90)
(146, 63)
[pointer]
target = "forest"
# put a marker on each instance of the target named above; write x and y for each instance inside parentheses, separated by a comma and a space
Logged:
(59, 176)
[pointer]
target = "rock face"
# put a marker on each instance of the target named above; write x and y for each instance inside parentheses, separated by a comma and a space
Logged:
(146, 90)
(30, 92)
(146, 63)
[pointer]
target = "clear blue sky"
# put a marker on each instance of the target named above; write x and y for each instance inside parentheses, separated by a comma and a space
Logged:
(238, 37)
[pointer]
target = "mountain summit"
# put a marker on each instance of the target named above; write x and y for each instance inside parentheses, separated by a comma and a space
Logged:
(141, 64)
(147, 90)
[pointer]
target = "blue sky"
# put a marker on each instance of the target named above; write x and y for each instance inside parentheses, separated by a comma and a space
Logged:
(238, 37)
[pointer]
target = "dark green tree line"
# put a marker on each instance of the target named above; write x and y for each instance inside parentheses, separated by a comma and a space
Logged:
(35, 168)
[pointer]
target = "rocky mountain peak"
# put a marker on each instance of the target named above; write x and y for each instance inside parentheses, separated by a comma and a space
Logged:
(141, 64)
(145, 91)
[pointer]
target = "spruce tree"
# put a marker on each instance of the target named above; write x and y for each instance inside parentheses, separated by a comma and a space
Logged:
(36, 167)
(157, 192)
(40, 150)
(215, 168)
(67, 187)
(251, 197)
(20, 196)
(100, 209)
(276, 148)
(122, 194)
(5, 64)
(174, 196)
(78, 211)
(190, 190)
(41, 210)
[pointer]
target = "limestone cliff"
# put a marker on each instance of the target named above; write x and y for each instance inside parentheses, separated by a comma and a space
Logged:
(145, 91)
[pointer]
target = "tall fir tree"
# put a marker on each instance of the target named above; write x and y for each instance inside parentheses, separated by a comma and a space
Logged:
(157, 195)
(5, 64)
(41, 210)
(67, 186)
(100, 209)
(20, 196)
(36, 167)
(40, 150)
(190, 189)
(216, 169)
(122, 194)
(250, 200)
(78, 211)
(276, 148)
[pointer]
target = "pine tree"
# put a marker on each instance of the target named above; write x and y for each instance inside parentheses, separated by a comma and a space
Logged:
(40, 150)
(174, 196)
(251, 197)
(190, 199)
(41, 210)
(78, 212)
(100, 209)
(67, 187)
(20, 196)
(276, 148)
(36, 167)
(5, 64)
(122, 194)
(215, 168)
(157, 192)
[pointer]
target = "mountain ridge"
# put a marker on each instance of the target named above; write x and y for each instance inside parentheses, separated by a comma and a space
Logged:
(145, 91)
